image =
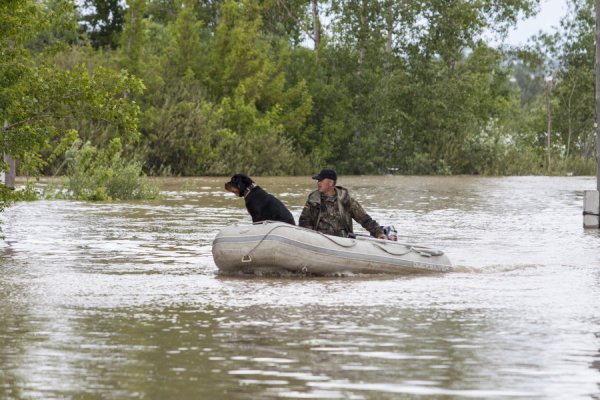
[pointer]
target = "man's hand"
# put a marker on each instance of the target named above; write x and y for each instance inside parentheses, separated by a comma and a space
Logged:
(381, 236)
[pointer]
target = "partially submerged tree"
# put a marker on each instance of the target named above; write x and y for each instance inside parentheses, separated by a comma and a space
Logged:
(40, 102)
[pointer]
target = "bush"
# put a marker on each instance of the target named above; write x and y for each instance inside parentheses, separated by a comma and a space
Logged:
(105, 175)
(575, 165)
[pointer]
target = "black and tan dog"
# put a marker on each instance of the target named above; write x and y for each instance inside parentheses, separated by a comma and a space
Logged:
(261, 205)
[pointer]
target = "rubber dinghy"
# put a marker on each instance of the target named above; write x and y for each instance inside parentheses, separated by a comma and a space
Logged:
(276, 247)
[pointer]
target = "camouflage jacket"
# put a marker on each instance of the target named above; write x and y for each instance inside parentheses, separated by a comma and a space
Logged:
(334, 215)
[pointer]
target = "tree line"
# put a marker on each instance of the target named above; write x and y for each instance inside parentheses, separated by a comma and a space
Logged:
(272, 87)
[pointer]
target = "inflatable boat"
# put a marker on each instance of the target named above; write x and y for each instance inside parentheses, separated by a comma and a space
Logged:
(279, 248)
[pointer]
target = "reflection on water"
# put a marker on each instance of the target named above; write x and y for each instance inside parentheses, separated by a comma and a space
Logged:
(122, 300)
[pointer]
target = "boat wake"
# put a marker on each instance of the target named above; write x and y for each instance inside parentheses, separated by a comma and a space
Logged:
(493, 269)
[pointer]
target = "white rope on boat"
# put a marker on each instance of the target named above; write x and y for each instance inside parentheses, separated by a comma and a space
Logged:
(424, 251)
(331, 238)
(393, 252)
(248, 257)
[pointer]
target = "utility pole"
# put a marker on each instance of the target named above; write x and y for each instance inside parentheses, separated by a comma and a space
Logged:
(591, 200)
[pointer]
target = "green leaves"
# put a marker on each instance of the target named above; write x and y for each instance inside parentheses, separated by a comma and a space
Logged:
(105, 175)
(48, 95)
(41, 103)
(185, 134)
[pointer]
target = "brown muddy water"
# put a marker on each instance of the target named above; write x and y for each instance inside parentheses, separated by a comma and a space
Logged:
(122, 300)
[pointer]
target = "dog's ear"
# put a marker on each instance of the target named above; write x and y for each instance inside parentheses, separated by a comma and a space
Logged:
(245, 179)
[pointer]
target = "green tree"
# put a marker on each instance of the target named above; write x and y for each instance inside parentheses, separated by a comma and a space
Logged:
(388, 84)
(248, 74)
(184, 134)
(184, 55)
(38, 99)
(183, 131)
(103, 21)
(286, 19)
(574, 89)
(133, 37)
(557, 78)
(421, 80)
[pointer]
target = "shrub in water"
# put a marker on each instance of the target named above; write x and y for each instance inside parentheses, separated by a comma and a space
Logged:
(105, 175)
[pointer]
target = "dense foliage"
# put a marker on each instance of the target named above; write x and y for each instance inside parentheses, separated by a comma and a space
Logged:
(284, 87)
(271, 87)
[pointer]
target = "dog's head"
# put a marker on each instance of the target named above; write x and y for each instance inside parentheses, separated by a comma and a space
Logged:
(238, 184)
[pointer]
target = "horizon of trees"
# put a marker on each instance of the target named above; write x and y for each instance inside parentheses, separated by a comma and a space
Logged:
(200, 87)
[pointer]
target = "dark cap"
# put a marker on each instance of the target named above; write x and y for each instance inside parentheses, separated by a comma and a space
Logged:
(326, 174)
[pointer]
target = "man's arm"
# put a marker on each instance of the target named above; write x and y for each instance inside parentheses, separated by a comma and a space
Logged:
(365, 220)
(307, 220)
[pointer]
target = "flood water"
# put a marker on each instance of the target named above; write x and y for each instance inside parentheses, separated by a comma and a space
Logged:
(122, 299)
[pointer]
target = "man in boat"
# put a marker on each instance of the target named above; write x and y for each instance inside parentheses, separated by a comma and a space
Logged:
(330, 209)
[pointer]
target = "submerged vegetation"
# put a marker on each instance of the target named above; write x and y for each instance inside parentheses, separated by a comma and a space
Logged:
(95, 174)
